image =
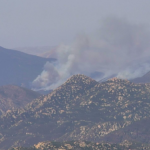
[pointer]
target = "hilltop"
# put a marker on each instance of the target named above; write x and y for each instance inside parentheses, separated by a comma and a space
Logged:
(81, 110)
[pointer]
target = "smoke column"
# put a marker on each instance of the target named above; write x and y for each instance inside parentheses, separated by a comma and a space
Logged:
(118, 48)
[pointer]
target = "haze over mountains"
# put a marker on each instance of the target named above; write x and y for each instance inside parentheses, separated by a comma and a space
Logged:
(43, 51)
(144, 79)
(22, 69)
(18, 68)
(118, 48)
(80, 109)
(39, 73)
(74, 75)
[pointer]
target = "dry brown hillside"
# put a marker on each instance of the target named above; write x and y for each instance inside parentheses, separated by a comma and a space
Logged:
(12, 96)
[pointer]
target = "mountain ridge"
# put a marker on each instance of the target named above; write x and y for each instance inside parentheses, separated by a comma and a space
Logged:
(18, 68)
(80, 109)
(144, 79)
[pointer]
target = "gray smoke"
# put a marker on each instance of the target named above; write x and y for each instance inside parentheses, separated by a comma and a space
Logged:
(48, 77)
(118, 48)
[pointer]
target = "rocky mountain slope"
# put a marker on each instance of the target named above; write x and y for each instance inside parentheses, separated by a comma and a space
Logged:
(18, 68)
(12, 97)
(137, 131)
(81, 109)
(83, 145)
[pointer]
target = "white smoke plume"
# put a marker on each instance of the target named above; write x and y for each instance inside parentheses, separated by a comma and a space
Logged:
(48, 77)
(118, 48)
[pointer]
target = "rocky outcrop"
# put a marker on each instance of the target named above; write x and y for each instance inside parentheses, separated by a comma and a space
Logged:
(81, 109)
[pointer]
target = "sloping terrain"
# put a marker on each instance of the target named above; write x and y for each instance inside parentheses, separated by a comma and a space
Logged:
(144, 79)
(44, 51)
(83, 145)
(12, 97)
(18, 68)
(81, 109)
(138, 131)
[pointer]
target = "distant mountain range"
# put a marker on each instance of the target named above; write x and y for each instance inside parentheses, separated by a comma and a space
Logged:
(144, 79)
(18, 68)
(44, 51)
(81, 110)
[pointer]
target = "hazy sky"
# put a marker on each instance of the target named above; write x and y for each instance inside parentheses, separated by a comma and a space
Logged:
(51, 22)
